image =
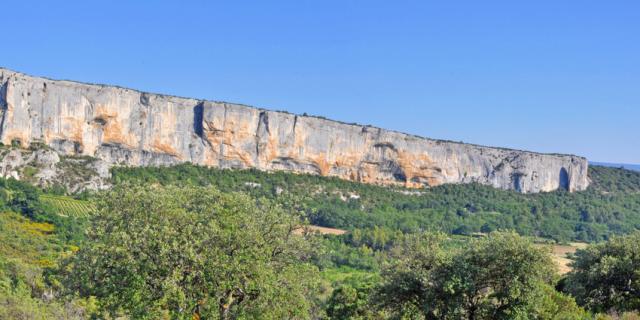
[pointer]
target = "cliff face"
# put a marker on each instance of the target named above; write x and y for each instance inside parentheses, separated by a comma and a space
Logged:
(127, 127)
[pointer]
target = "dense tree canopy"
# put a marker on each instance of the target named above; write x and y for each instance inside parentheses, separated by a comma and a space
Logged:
(610, 206)
(352, 299)
(175, 252)
(166, 243)
(500, 277)
(606, 276)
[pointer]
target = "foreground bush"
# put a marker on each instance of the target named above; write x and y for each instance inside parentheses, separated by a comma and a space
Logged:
(192, 252)
(606, 277)
(501, 277)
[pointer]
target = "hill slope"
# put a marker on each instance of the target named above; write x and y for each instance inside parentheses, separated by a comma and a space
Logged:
(634, 167)
(610, 206)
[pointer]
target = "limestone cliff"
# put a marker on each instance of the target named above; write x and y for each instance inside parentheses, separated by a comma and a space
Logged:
(121, 126)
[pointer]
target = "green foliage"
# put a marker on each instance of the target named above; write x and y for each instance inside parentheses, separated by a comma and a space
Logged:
(624, 316)
(77, 169)
(29, 172)
(67, 206)
(26, 248)
(27, 241)
(178, 248)
(496, 278)
(24, 198)
(548, 303)
(179, 252)
(606, 276)
(614, 179)
(351, 299)
(21, 295)
(610, 206)
(408, 289)
(16, 143)
(336, 252)
(502, 276)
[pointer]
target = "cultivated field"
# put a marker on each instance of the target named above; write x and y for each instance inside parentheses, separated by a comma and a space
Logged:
(68, 207)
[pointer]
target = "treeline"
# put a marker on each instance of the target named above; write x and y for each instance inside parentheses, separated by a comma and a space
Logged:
(501, 276)
(610, 206)
(189, 242)
(185, 252)
(195, 252)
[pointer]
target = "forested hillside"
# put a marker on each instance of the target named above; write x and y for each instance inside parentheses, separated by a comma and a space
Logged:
(408, 253)
(610, 206)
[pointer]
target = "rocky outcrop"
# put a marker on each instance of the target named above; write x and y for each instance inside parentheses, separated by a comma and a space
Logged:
(44, 167)
(121, 126)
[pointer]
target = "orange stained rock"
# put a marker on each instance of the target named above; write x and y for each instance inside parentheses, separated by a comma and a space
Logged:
(347, 159)
(212, 135)
(299, 143)
(233, 134)
(210, 156)
(230, 139)
(98, 115)
(75, 131)
(231, 152)
(13, 135)
(411, 164)
(320, 160)
(370, 173)
(112, 133)
(267, 151)
(159, 147)
(105, 112)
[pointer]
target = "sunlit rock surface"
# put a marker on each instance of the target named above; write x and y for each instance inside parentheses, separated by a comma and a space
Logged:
(121, 126)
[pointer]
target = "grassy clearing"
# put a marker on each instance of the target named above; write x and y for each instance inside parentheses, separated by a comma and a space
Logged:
(561, 254)
(320, 230)
(338, 275)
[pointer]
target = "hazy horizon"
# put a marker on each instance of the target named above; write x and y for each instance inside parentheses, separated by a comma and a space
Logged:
(544, 76)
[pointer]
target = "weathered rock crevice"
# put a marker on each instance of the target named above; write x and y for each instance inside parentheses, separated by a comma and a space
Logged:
(565, 182)
(3, 102)
(125, 127)
(198, 120)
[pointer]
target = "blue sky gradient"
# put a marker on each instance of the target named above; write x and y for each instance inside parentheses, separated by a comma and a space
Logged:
(544, 75)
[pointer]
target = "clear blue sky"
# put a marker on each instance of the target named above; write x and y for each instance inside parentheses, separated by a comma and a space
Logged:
(545, 75)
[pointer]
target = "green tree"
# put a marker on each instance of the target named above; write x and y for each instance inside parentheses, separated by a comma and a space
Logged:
(181, 252)
(496, 278)
(351, 299)
(606, 276)
(550, 304)
(408, 289)
(502, 276)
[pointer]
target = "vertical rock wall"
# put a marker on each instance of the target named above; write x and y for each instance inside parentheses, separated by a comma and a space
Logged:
(126, 127)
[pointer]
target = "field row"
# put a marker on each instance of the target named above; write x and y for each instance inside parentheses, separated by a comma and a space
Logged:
(66, 206)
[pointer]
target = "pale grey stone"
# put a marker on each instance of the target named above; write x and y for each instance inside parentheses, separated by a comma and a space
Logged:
(120, 126)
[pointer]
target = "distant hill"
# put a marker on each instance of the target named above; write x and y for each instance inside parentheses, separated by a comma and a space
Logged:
(634, 167)
(611, 204)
